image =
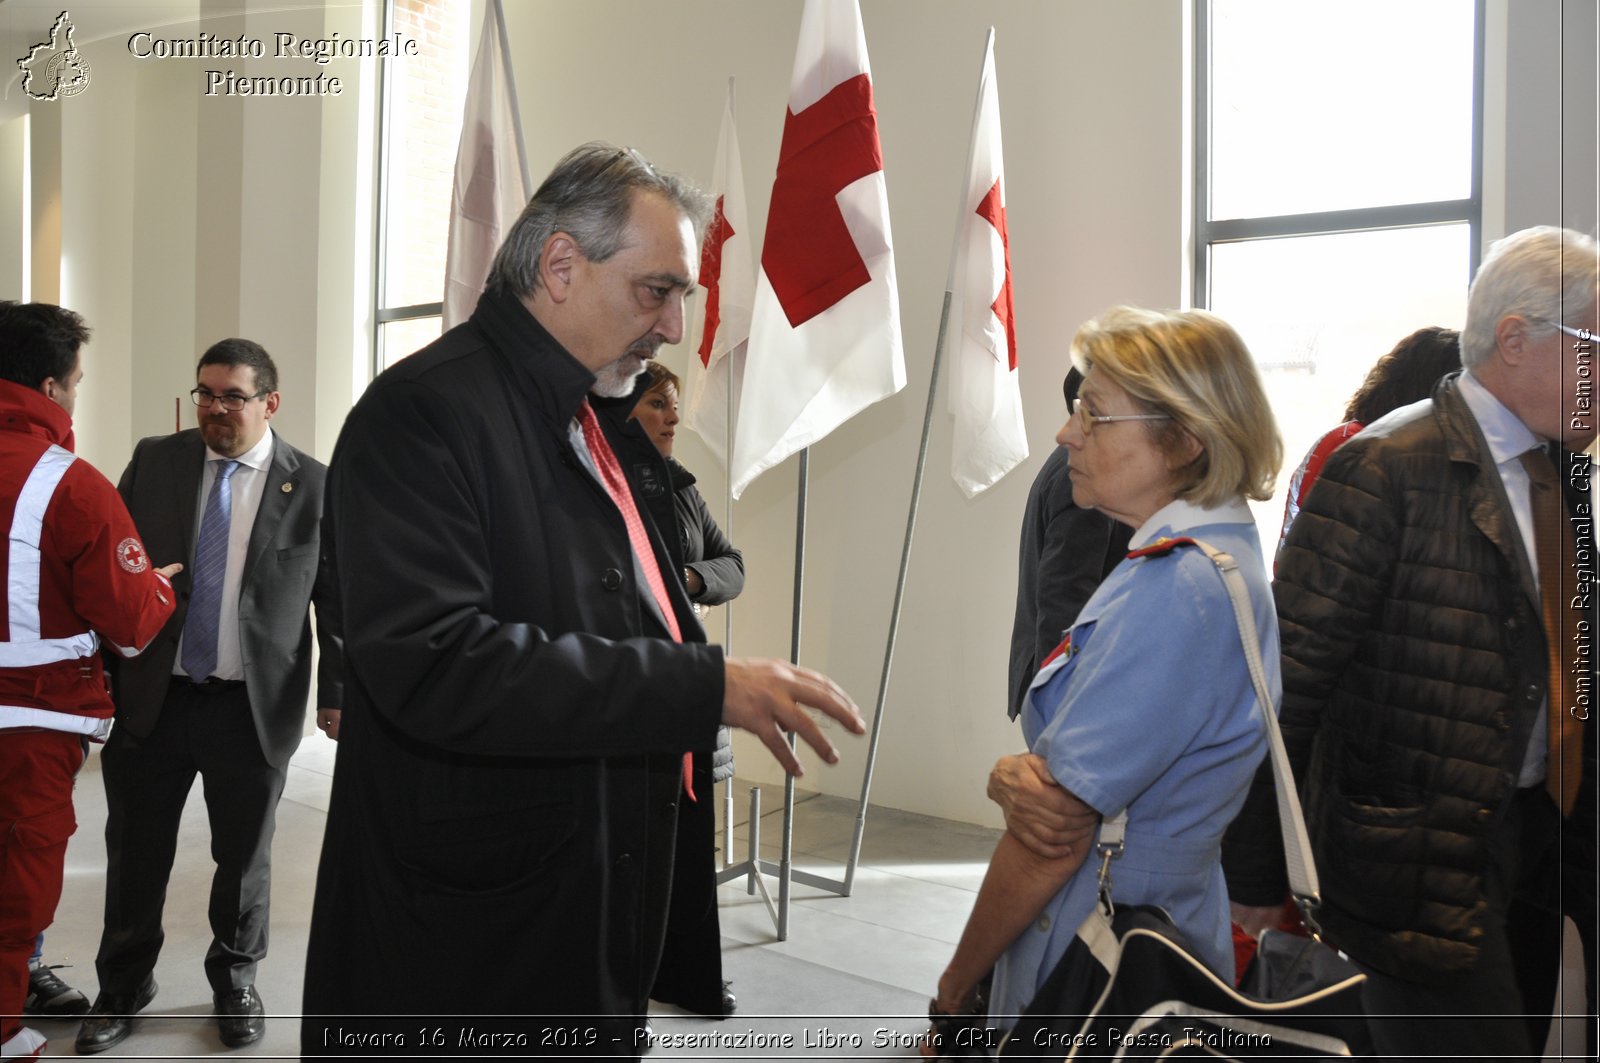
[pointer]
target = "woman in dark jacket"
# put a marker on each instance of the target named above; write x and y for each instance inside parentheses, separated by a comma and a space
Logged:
(690, 974)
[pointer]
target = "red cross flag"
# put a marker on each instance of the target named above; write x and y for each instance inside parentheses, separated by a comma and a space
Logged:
(984, 396)
(491, 181)
(825, 331)
(719, 335)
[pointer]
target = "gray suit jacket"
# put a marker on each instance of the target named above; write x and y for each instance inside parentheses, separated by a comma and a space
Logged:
(284, 572)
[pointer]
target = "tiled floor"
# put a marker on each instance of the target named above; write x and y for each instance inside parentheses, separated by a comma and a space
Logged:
(862, 965)
(851, 980)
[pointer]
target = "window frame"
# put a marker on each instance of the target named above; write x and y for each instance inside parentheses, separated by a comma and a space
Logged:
(1208, 232)
(383, 314)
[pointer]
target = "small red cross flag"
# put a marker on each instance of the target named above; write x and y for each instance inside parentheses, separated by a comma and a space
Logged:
(981, 334)
(720, 331)
(825, 330)
(491, 179)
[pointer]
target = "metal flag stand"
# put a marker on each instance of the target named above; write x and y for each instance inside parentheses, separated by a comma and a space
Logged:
(753, 867)
(911, 514)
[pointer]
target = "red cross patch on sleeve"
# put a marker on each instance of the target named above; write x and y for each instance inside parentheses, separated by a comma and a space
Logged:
(131, 556)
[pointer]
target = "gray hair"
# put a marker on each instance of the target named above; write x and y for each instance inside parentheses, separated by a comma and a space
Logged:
(588, 196)
(1544, 274)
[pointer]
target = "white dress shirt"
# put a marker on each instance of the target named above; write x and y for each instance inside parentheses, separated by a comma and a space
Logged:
(249, 483)
(1508, 440)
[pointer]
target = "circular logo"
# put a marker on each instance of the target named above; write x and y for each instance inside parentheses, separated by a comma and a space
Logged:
(68, 72)
(131, 555)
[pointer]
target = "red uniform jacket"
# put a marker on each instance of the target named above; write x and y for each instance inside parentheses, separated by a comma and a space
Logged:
(73, 572)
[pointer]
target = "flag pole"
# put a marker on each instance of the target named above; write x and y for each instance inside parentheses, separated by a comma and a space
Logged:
(899, 597)
(511, 86)
(916, 498)
(727, 614)
(786, 860)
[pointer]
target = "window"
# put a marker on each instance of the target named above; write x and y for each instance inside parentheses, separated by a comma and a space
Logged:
(423, 97)
(1337, 189)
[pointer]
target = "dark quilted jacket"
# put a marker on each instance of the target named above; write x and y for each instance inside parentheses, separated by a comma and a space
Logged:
(1413, 673)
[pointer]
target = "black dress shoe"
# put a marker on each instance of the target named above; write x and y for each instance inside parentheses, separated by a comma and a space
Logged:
(241, 1017)
(110, 1018)
(730, 1003)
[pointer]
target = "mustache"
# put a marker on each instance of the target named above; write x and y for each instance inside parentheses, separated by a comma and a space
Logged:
(647, 347)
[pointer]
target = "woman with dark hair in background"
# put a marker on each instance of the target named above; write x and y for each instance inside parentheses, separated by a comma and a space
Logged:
(690, 973)
(1403, 376)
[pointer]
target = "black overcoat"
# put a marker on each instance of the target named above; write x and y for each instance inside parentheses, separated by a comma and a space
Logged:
(500, 833)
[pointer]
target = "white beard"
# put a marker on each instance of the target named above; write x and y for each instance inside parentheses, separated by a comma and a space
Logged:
(615, 380)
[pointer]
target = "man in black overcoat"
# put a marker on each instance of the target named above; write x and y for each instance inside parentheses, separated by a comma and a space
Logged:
(524, 676)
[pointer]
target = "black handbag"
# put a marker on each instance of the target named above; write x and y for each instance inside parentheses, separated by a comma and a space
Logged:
(1130, 986)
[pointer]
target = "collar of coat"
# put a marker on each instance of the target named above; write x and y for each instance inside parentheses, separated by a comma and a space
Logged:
(1487, 503)
(680, 476)
(1463, 439)
(25, 409)
(559, 382)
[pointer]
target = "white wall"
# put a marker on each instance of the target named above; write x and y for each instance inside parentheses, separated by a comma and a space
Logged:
(171, 220)
(1550, 133)
(13, 204)
(183, 219)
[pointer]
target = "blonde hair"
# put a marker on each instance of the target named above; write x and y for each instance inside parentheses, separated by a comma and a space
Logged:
(1193, 367)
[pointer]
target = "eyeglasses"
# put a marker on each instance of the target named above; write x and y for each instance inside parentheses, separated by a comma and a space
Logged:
(232, 402)
(1583, 335)
(1087, 418)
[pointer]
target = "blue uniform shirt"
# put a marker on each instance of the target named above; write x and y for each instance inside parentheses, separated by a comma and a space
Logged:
(1152, 710)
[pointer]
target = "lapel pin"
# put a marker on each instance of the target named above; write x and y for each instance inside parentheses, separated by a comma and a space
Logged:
(286, 488)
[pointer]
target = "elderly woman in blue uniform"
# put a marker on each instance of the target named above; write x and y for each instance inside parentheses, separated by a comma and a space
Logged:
(1148, 704)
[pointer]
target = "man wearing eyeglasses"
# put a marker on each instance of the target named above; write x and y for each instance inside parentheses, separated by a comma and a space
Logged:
(1437, 610)
(526, 672)
(222, 691)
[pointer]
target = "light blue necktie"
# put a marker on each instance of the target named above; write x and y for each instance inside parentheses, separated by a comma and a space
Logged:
(210, 567)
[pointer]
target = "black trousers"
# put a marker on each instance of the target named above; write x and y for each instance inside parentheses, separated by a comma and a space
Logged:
(1501, 1008)
(690, 972)
(147, 782)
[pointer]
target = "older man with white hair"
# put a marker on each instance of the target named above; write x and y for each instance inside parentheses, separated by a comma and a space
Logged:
(1437, 622)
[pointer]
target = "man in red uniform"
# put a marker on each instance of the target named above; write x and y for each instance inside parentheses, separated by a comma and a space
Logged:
(75, 574)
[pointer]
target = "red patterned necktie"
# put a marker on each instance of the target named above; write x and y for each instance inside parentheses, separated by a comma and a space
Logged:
(616, 485)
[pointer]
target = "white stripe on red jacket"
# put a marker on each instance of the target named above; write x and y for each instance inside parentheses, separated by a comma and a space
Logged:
(75, 573)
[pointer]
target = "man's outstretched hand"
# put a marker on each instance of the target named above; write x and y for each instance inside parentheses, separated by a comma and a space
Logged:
(768, 698)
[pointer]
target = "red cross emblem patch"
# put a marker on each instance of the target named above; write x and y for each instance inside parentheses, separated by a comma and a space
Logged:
(131, 555)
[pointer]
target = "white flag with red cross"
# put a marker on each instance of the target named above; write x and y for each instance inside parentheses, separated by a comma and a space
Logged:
(720, 332)
(825, 331)
(981, 334)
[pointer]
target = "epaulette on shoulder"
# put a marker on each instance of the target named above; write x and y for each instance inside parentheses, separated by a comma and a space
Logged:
(1161, 547)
